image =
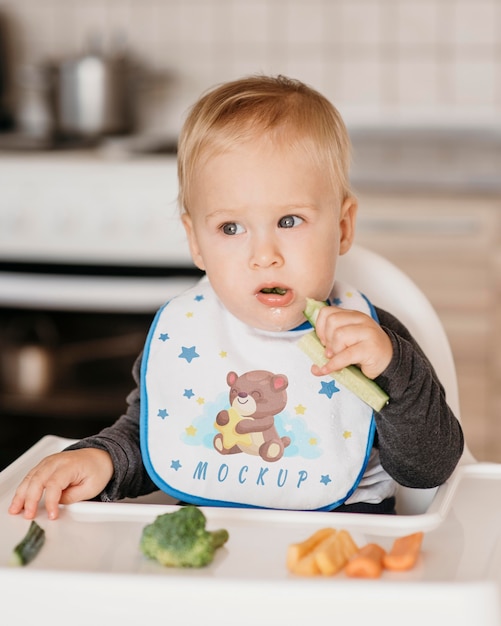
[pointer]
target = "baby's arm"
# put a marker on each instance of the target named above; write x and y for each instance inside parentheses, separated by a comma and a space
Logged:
(419, 438)
(352, 338)
(64, 478)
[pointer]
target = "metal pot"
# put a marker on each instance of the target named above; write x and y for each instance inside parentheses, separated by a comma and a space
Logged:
(93, 96)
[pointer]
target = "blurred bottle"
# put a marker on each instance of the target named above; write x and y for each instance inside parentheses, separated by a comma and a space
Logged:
(34, 114)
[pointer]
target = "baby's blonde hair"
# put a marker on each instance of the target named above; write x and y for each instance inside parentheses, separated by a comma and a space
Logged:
(287, 110)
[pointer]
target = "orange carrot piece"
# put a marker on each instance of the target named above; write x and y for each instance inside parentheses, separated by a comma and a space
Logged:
(333, 553)
(404, 552)
(366, 563)
(298, 551)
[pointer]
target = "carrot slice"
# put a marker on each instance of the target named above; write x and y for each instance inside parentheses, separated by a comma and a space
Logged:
(366, 563)
(298, 551)
(333, 553)
(404, 552)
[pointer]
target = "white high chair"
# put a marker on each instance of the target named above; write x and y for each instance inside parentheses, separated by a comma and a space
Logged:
(391, 289)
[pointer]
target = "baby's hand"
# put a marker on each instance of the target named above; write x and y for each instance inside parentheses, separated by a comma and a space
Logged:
(65, 477)
(352, 338)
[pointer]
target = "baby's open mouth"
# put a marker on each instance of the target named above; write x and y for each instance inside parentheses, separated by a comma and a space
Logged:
(275, 296)
(277, 290)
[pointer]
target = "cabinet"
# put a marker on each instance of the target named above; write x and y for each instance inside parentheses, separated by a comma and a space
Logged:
(449, 246)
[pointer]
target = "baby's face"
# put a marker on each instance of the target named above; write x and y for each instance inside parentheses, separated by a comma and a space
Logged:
(267, 227)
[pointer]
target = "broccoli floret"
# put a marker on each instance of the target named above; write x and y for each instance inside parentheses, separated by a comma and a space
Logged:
(179, 539)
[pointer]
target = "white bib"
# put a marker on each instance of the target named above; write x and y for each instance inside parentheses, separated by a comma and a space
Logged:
(233, 416)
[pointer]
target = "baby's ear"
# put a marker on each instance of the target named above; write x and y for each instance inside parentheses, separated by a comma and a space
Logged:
(192, 241)
(347, 222)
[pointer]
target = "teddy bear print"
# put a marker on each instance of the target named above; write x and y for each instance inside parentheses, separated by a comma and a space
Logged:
(249, 424)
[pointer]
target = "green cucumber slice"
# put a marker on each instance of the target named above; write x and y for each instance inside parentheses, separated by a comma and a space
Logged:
(31, 544)
(350, 377)
(312, 309)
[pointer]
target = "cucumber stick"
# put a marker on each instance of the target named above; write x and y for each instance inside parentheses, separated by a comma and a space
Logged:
(31, 544)
(350, 377)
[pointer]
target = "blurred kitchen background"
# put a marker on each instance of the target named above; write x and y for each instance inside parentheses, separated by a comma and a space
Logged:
(92, 96)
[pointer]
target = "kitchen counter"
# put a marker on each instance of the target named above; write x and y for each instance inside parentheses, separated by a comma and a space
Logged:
(427, 159)
(399, 158)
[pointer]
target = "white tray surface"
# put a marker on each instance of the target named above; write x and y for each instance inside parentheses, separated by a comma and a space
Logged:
(461, 552)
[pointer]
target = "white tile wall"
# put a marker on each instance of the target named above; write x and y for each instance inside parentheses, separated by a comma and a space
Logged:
(380, 61)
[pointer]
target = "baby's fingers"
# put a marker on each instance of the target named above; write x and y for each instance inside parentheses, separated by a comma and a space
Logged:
(27, 496)
(349, 355)
(51, 477)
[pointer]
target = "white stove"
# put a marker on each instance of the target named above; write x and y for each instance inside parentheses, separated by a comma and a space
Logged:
(90, 247)
(92, 213)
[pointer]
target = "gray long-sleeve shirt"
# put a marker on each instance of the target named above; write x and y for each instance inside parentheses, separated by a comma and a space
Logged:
(419, 439)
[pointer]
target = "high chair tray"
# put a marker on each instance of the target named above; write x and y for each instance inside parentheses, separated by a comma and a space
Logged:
(91, 558)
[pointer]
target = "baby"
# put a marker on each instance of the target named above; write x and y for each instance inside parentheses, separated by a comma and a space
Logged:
(227, 409)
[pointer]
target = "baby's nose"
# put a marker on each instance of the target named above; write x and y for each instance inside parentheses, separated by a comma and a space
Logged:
(265, 253)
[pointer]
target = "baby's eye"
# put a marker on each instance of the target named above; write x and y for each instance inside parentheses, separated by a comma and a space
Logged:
(289, 221)
(232, 228)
